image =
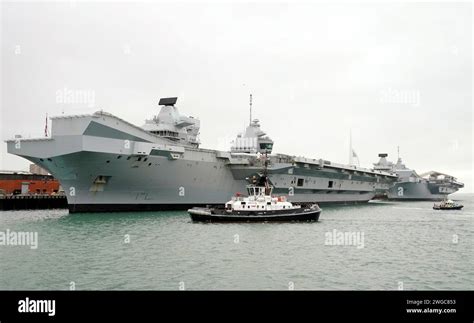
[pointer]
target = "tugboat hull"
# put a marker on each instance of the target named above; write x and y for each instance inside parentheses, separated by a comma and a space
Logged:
(221, 215)
(448, 208)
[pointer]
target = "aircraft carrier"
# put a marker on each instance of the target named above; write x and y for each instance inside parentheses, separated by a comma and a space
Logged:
(411, 186)
(105, 163)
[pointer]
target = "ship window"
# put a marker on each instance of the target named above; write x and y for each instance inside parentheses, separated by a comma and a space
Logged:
(300, 182)
(108, 161)
(145, 159)
(269, 203)
(49, 159)
(128, 158)
(139, 159)
(266, 146)
(149, 164)
(118, 157)
(330, 184)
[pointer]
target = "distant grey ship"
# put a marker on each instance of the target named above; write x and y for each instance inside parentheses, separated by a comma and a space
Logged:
(411, 186)
(107, 164)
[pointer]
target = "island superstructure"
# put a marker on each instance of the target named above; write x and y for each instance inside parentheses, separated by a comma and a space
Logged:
(105, 163)
(412, 186)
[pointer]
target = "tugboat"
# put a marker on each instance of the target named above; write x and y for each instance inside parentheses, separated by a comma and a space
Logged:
(258, 206)
(447, 205)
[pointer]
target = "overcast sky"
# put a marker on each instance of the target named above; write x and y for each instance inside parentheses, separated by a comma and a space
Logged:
(396, 74)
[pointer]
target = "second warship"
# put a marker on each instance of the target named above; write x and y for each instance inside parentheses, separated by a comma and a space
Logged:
(432, 186)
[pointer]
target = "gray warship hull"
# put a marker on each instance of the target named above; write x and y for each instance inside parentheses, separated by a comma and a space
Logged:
(107, 164)
(420, 191)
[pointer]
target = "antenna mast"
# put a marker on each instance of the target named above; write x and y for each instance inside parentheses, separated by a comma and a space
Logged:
(250, 109)
(350, 147)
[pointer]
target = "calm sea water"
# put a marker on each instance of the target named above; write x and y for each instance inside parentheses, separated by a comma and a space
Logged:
(404, 244)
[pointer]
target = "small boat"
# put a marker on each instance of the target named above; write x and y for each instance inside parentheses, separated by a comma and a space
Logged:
(447, 205)
(258, 206)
